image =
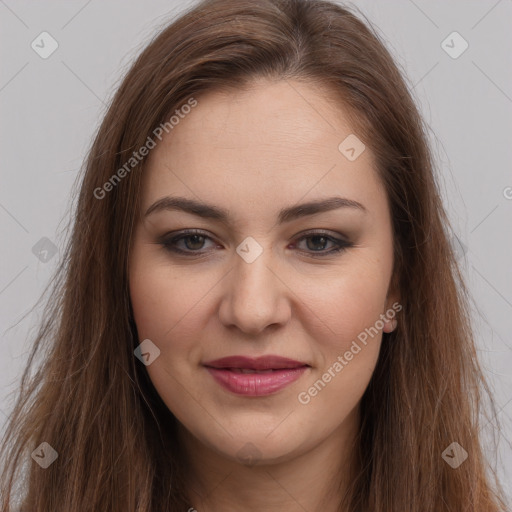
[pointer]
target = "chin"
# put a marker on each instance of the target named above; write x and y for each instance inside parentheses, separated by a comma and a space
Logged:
(249, 445)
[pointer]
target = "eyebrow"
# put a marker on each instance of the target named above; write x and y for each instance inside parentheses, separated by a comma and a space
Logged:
(288, 214)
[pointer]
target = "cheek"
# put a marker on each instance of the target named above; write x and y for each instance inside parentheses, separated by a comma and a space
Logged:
(342, 305)
(164, 300)
(347, 343)
(345, 326)
(165, 310)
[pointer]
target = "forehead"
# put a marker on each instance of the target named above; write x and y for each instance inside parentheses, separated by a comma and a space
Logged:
(276, 142)
(278, 118)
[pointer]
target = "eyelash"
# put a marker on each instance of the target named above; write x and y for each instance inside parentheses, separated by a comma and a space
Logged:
(341, 245)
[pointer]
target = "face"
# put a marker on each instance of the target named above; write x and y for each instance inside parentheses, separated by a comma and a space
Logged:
(260, 276)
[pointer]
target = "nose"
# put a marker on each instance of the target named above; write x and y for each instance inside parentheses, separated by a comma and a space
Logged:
(255, 297)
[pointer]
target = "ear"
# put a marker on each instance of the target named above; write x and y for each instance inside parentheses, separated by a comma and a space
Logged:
(392, 298)
(390, 325)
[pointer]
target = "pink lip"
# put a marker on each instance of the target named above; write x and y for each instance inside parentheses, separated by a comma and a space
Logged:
(226, 371)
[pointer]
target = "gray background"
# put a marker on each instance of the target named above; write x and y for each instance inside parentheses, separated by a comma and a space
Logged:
(51, 107)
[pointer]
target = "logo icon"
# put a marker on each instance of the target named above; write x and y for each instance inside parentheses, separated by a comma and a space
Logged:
(44, 250)
(454, 455)
(147, 352)
(454, 45)
(248, 455)
(44, 455)
(44, 45)
(351, 147)
(458, 247)
(249, 249)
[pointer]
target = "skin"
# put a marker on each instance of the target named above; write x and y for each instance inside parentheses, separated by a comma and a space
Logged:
(254, 152)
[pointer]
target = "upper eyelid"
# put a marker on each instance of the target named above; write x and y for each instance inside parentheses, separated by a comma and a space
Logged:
(313, 232)
(340, 241)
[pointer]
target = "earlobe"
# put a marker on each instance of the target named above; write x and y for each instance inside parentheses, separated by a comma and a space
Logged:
(393, 307)
(390, 325)
(393, 304)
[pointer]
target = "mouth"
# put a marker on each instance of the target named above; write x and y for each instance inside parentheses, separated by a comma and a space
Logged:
(261, 376)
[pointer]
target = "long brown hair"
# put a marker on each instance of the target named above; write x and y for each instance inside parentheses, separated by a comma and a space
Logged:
(92, 401)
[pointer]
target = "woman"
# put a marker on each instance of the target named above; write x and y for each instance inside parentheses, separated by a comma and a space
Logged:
(259, 308)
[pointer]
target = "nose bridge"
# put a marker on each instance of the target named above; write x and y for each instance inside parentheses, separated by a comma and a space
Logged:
(255, 295)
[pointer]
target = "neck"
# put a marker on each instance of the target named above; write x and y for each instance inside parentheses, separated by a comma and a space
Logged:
(315, 480)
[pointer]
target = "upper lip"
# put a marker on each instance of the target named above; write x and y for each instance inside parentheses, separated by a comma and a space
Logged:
(258, 363)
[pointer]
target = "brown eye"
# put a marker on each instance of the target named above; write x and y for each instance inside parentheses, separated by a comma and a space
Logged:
(197, 241)
(190, 242)
(193, 243)
(319, 242)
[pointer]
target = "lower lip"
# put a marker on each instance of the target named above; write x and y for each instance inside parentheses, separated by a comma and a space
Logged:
(256, 384)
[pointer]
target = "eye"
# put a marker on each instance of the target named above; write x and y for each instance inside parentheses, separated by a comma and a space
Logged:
(316, 243)
(193, 243)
